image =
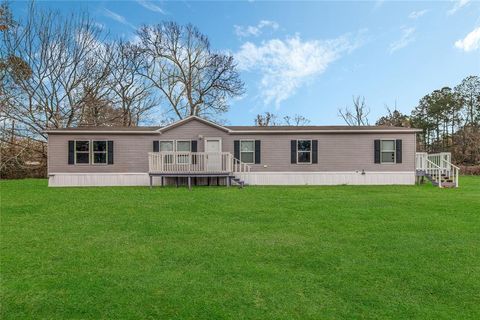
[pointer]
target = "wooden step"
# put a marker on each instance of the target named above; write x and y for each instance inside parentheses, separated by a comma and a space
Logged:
(238, 181)
(448, 184)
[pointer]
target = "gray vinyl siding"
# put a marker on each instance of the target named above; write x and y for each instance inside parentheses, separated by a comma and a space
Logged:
(130, 153)
(336, 151)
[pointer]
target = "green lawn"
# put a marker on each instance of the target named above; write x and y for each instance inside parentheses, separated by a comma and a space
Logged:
(398, 252)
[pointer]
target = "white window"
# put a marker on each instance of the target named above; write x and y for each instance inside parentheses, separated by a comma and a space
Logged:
(184, 147)
(304, 151)
(247, 151)
(181, 146)
(387, 151)
(166, 146)
(99, 152)
(82, 152)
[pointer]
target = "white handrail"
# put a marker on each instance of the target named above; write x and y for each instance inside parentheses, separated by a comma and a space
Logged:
(434, 168)
(189, 162)
(456, 171)
(240, 168)
(437, 164)
(195, 162)
(420, 163)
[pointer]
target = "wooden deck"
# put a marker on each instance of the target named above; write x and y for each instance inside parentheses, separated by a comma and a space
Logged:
(196, 164)
(437, 167)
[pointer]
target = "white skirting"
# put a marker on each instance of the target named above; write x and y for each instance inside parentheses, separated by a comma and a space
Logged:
(252, 178)
(97, 179)
(329, 178)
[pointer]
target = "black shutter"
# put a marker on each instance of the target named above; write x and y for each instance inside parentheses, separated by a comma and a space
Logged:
(194, 149)
(257, 151)
(236, 149)
(110, 151)
(156, 146)
(398, 150)
(71, 152)
(314, 151)
(377, 151)
(293, 151)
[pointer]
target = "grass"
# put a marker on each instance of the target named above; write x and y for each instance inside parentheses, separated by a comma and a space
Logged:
(344, 252)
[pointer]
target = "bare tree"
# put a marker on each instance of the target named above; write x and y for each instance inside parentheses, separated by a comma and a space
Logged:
(64, 69)
(180, 64)
(270, 119)
(50, 70)
(131, 92)
(266, 119)
(358, 116)
(394, 118)
(296, 120)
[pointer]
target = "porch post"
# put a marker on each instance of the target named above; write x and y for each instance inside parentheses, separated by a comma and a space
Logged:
(189, 183)
(151, 181)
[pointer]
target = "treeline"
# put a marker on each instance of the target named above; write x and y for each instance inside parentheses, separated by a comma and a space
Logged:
(60, 71)
(450, 120)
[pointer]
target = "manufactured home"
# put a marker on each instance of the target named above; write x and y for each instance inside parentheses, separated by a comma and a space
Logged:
(197, 151)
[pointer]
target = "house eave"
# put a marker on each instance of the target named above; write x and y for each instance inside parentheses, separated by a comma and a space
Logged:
(320, 131)
(99, 132)
(190, 118)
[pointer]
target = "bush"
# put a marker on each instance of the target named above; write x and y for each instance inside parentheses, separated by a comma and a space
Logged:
(470, 170)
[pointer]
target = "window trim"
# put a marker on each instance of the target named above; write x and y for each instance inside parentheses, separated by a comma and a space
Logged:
(253, 152)
(188, 158)
(189, 145)
(311, 151)
(175, 149)
(160, 144)
(75, 152)
(394, 151)
(93, 153)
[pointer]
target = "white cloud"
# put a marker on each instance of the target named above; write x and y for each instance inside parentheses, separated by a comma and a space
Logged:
(407, 38)
(151, 6)
(247, 31)
(459, 4)
(119, 18)
(471, 42)
(286, 65)
(417, 14)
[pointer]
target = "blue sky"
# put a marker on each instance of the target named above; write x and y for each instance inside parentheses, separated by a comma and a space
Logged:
(309, 58)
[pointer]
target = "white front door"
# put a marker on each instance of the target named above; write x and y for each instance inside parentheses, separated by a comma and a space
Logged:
(213, 148)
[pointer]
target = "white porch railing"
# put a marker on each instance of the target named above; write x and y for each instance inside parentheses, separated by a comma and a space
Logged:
(437, 165)
(434, 171)
(240, 169)
(196, 162)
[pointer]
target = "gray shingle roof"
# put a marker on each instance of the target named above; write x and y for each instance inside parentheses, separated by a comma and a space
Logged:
(103, 128)
(314, 128)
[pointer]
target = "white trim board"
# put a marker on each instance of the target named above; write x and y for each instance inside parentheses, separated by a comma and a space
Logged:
(190, 118)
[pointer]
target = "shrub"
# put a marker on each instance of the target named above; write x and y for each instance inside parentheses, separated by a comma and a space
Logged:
(470, 170)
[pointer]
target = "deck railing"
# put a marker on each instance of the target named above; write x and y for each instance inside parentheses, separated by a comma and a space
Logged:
(195, 162)
(436, 165)
(434, 171)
